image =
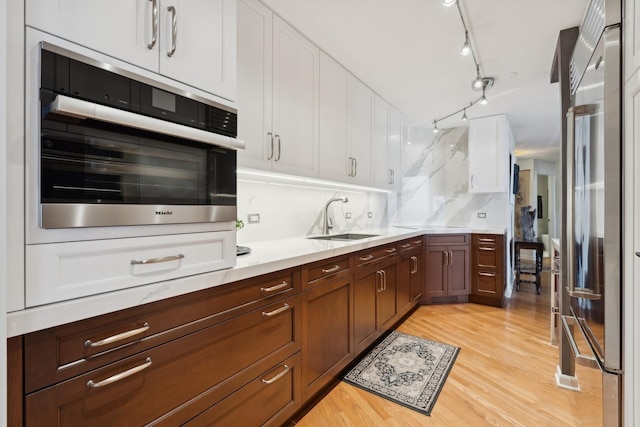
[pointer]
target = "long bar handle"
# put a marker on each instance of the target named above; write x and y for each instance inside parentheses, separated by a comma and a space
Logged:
(405, 246)
(118, 337)
(482, 273)
(486, 240)
(120, 376)
(174, 30)
(278, 311)
(270, 135)
(450, 258)
(580, 358)
(486, 249)
(274, 288)
(366, 258)
(332, 269)
(446, 257)
(157, 260)
(277, 377)
(414, 270)
(379, 288)
(154, 24)
(279, 148)
(390, 251)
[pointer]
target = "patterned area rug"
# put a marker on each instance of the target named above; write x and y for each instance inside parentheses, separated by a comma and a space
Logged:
(405, 369)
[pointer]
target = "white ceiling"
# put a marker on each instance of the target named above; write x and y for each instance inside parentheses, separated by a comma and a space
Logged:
(408, 52)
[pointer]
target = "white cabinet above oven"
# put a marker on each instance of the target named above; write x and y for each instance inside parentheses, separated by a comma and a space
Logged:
(190, 41)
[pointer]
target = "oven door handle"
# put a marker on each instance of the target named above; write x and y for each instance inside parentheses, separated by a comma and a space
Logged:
(80, 109)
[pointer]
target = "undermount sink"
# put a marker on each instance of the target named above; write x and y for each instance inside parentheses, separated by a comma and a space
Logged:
(345, 237)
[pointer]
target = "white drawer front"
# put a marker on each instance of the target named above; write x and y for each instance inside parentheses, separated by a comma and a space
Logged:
(62, 271)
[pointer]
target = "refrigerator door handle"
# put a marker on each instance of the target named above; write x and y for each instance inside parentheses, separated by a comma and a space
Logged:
(581, 359)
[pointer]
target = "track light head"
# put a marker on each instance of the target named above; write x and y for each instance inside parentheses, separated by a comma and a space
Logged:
(483, 100)
(449, 3)
(464, 115)
(466, 47)
(482, 83)
(435, 127)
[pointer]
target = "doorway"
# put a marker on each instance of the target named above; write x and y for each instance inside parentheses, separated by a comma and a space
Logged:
(545, 209)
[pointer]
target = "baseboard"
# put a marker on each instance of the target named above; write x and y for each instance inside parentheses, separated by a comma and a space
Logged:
(566, 381)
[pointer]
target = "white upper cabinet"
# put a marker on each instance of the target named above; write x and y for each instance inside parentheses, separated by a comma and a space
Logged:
(361, 135)
(278, 93)
(490, 140)
(335, 157)
(346, 114)
(381, 174)
(394, 146)
(142, 32)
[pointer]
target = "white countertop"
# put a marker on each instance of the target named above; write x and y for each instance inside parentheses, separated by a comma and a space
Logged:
(265, 257)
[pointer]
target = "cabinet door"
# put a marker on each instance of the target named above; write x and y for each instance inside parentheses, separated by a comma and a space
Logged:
(387, 303)
(405, 268)
(334, 121)
(364, 311)
(488, 154)
(458, 270)
(326, 334)
(119, 28)
(436, 274)
(381, 175)
(417, 273)
(361, 133)
(295, 101)
(255, 24)
(203, 53)
(394, 144)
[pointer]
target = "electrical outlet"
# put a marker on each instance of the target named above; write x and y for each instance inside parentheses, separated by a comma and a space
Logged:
(482, 214)
(253, 218)
(369, 214)
(348, 215)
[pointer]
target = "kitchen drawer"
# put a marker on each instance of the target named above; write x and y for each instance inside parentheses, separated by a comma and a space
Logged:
(166, 384)
(375, 254)
(59, 353)
(410, 244)
(90, 267)
(487, 239)
(312, 273)
(270, 399)
(487, 257)
(448, 239)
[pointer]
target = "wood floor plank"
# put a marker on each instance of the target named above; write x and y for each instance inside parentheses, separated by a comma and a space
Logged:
(503, 376)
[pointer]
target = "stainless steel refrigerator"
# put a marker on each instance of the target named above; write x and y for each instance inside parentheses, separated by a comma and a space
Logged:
(593, 197)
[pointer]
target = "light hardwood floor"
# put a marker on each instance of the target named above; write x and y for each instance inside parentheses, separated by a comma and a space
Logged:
(503, 376)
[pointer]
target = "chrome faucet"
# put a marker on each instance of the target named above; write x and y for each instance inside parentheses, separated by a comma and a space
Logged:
(326, 227)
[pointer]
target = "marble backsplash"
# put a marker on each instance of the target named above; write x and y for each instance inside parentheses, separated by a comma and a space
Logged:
(288, 210)
(435, 185)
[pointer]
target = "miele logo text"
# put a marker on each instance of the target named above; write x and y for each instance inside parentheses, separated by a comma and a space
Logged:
(164, 213)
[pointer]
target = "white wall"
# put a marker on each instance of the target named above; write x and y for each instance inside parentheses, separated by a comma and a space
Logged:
(295, 208)
(3, 213)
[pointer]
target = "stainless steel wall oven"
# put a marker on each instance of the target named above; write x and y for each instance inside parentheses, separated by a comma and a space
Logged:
(120, 150)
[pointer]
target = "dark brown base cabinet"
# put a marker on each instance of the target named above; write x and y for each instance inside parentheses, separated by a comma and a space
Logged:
(488, 271)
(251, 352)
(447, 269)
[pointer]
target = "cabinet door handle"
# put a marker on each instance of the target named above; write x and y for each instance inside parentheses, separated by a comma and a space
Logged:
(120, 376)
(355, 166)
(118, 337)
(446, 257)
(270, 135)
(278, 311)
(366, 258)
(157, 260)
(277, 377)
(450, 258)
(282, 285)
(174, 30)
(414, 269)
(389, 177)
(279, 148)
(154, 24)
(471, 181)
(482, 248)
(481, 273)
(379, 284)
(332, 269)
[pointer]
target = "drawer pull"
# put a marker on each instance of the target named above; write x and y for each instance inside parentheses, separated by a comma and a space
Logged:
(157, 260)
(277, 377)
(486, 240)
(390, 251)
(278, 311)
(406, 245)
(487, 274)
(366, 258)
(332, 269)
(118, 337)
(417, 242)
(120, 376)
(282, 285)
(486, 249)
